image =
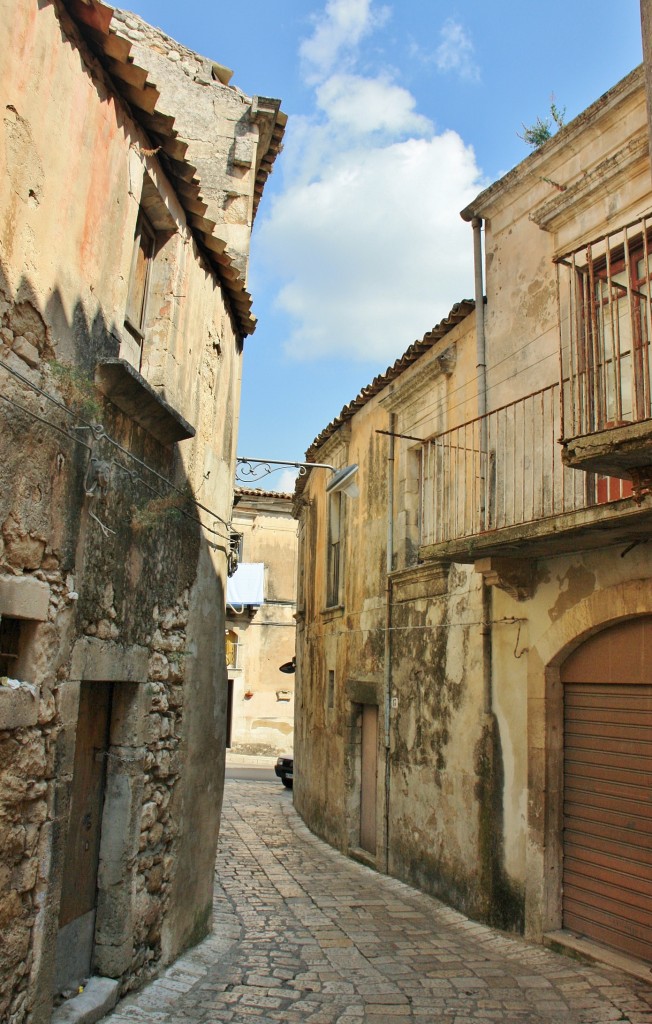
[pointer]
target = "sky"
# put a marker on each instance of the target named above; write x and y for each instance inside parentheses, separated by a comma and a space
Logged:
(400, 113)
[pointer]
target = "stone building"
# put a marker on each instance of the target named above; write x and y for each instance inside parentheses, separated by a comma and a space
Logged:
(260, 625)
(131, 173)
(474, 631)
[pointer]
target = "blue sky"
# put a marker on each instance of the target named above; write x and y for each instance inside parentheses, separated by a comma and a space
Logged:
(399, 113)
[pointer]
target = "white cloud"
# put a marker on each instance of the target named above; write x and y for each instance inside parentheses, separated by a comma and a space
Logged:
(365, 105)
(338, 32)
(456, 52)
(284, 482)
(374, 252)
(366, 238)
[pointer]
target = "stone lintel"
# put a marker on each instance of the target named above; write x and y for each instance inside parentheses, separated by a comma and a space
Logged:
(360, 691)
(426, 580)
(104, 661)
(23, 597)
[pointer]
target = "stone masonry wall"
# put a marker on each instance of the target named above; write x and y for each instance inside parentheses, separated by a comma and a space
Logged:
(30, 730)
(37, 543)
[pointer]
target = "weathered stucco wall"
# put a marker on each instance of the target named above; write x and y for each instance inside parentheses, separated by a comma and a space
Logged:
(427, 640)
(123, 576)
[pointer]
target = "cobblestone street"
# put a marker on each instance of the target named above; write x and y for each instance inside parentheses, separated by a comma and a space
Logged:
(303, 934)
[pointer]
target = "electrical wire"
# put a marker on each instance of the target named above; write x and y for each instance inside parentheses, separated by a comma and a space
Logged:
(99, 434)
(508, 621)
(443, 404)
(47, 423)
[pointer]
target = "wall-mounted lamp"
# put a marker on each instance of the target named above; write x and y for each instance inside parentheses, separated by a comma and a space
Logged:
(344, 482)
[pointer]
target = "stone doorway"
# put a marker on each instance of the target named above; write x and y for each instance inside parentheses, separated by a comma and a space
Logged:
(78, 905)
(369, 777)
(96, 908)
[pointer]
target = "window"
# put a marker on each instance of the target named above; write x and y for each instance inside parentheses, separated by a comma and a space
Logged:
(9, 645)
(232, 645)
(413, 503)
(331, 689)
(149, 276)
(606, 326)
(141, 262)
(334, 555)
(235, 556)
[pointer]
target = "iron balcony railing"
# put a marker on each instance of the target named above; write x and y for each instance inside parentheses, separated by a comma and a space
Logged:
(606, 326)
(504, 469)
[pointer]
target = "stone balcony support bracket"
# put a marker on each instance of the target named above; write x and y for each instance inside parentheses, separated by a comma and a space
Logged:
(516, 576)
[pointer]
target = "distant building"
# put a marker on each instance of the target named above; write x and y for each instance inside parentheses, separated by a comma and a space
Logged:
(131, 172)
(473, 675)
(260, 625)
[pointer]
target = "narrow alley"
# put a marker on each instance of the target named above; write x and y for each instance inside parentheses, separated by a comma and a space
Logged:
(304, 935)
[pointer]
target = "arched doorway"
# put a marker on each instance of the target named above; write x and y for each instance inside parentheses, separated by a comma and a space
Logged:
(607, 808)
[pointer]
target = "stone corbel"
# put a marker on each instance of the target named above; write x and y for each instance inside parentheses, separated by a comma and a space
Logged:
(516, 576)
(447, 360)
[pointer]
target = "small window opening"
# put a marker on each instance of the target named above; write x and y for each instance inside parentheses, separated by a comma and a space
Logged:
(9, 645)
(232, 647)
(141, 264)
(331, 689)
(334, 558)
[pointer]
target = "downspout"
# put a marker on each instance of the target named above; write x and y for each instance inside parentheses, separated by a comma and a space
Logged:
(481, 377)
(646, 36)
(480, 360)
(388, 624)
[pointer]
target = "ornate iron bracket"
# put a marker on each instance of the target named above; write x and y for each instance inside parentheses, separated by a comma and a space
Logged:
(250, 471)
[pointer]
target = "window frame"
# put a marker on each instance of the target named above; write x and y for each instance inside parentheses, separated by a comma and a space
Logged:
(334, 549)
(11, 637)
(139, 297)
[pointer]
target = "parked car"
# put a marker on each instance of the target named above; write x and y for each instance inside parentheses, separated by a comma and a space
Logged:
(284, 768)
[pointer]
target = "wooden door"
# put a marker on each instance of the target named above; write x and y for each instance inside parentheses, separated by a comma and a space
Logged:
(369, 777)
(607, 840)
(229, 713)
(79, 888)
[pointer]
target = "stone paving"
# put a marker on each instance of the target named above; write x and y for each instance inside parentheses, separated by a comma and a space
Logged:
(302, 934)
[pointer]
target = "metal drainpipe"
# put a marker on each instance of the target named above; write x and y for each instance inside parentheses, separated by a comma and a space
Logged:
(481, 370)
(388, 623)
(480, 362)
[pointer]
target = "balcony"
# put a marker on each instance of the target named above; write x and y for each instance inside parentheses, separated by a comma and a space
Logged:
(498, 486)
(606, 327)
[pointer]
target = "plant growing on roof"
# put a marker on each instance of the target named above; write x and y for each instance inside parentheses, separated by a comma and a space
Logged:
(544, 128)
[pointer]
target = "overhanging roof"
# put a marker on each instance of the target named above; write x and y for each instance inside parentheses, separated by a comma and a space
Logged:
(132, 83)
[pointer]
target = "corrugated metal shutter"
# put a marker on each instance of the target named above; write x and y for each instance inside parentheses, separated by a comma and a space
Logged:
(607, 873)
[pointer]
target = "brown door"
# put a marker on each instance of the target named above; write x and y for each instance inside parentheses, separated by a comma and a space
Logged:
(607, 841)
(369, 776)
(229, 713)
(79, 888)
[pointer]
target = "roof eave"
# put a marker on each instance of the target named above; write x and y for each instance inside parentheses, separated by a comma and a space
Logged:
(93, 19)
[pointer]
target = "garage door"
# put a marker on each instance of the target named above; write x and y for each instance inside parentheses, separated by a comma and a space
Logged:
(607, 840)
